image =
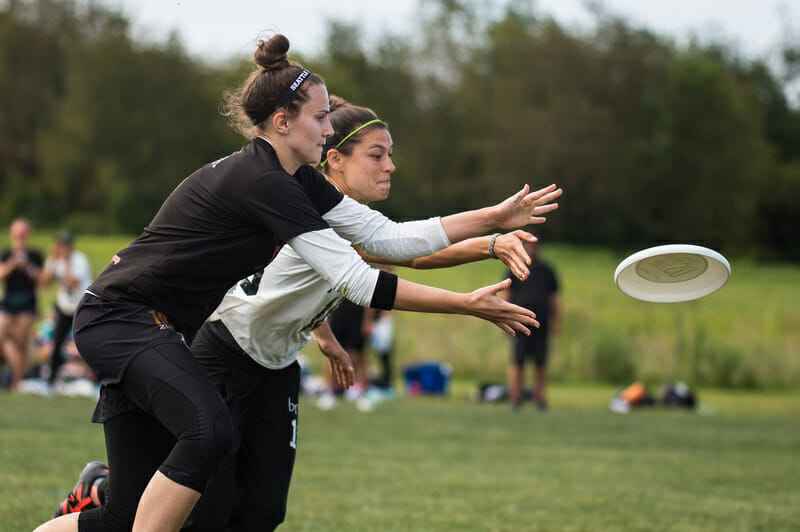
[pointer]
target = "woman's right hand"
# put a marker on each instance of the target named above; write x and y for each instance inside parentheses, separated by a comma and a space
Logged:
(484, 303)
(509, 249)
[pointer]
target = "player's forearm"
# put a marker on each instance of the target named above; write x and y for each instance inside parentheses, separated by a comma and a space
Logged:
(469, 224)
(326, 341)
(421, 298)
(470, 250)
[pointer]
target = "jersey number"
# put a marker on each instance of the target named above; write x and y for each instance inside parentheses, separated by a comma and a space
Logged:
(250, 285)
(158, 317)
(293, 441)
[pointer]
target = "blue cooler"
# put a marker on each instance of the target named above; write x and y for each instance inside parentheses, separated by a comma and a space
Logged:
(427, 378)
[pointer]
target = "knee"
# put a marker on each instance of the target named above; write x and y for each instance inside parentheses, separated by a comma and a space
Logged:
(200, 450)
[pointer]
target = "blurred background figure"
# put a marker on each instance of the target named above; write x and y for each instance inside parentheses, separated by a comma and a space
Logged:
(70, 268)
(382, 341)
(352, 325)
(539, 292)
(20, 267)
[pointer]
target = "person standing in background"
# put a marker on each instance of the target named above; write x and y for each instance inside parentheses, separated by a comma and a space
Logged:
(20, 267)
(539, 293)
(71, 269)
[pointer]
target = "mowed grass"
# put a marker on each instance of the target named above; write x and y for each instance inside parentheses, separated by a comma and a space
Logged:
(452, 464)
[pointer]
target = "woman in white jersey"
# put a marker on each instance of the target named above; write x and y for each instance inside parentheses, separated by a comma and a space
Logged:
(250, 344)
(162, 268)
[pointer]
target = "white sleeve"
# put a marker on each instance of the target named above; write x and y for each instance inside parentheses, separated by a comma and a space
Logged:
(337, 262)
(378, 235)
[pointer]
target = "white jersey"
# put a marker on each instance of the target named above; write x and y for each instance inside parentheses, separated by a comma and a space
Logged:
(272, 313)
(66, 299)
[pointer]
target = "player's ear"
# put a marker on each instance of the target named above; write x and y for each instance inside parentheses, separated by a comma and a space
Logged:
(335, 159)
(280, 122)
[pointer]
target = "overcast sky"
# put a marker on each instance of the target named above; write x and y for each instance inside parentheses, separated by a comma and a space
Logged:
(219, 29)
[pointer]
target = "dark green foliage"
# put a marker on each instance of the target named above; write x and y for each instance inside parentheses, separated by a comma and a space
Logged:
(653, 143)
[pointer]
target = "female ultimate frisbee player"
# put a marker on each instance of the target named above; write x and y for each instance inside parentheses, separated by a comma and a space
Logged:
(167, 428)
(249, 346)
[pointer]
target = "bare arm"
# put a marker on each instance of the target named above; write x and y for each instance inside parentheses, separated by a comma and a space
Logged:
(508, 248)
(339, 363)
(482, 303)
(521, 209)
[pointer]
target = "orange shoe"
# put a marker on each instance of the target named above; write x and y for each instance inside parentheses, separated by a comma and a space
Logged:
(81, 497)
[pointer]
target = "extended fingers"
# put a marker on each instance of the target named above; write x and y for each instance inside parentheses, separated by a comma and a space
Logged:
(544, 195)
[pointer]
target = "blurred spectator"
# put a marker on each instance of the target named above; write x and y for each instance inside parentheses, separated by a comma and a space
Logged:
(19, 269)
(539, 293)
(352, 325)
(71, 270)
(382, 341)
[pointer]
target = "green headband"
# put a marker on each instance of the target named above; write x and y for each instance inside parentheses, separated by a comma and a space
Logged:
(356, 130)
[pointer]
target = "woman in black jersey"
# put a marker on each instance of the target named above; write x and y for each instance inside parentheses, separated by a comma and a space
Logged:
(166, 426)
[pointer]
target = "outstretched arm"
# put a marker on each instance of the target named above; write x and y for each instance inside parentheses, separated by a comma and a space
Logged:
(523, 208)
(378, 235)
(508, 248)
(482, 303)
(341, 266)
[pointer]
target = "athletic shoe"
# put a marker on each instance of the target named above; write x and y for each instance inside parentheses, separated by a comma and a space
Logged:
(326, 401)
(80, 499)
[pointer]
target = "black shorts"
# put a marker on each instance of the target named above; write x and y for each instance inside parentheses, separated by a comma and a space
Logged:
(109, 334)
(533, 347)
(346, 325)
(19, 303)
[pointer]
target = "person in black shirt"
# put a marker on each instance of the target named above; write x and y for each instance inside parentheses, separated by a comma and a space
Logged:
(20, 267)
(167, 428)
(540, 293)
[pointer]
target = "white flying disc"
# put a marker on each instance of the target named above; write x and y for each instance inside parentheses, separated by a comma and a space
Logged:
(672, 273)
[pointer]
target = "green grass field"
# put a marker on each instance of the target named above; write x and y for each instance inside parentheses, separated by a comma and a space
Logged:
(452, 464)
(747, 335)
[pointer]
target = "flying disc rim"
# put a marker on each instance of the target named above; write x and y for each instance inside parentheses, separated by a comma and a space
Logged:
(715, 275)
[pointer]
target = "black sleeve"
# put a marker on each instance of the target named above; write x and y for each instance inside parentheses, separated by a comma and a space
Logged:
(323, 195)
(385, 291)
(36, 258)
(278, 201)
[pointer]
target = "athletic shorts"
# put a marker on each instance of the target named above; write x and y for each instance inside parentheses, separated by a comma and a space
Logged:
(19, 303)
(346, 325)
(109, 335)
(533, 347)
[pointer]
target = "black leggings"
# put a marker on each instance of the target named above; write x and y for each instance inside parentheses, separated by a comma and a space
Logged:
(249, 491)
(180, 427)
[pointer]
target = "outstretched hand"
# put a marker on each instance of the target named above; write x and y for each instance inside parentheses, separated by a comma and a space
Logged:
(486, 304)
(526, 207)
(509, 249)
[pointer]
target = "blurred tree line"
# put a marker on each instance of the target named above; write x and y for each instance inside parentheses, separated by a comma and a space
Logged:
(652, 142)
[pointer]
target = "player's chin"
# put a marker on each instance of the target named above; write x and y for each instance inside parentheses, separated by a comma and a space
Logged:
(383, 190)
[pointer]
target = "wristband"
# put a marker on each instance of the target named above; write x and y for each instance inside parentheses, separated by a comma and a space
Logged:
(491, 245)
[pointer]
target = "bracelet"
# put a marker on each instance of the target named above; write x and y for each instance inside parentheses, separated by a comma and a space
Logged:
(491, 245)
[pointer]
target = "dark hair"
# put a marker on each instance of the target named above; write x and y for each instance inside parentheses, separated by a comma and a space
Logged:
(346, 118)
(254, 101)
(65, 237)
